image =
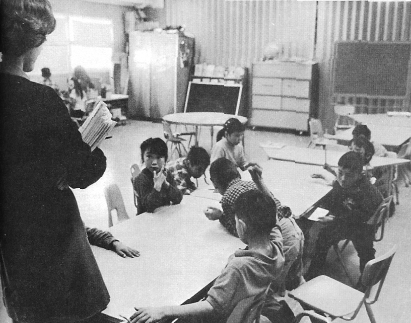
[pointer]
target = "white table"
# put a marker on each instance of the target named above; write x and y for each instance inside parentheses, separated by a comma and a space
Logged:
(389, 136)
(181, 253)
(318, 157)
(382, 119)
(291, 183)
(199, 119)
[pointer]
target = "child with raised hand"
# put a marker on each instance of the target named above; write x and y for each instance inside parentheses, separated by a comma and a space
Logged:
(247, 275)
(229, 143)
(155, 186)
(185, 168)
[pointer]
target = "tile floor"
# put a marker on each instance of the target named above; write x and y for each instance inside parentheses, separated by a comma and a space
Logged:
(122, 150)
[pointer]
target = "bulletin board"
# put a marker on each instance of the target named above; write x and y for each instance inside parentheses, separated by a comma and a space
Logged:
(213, 97)
(372, 68)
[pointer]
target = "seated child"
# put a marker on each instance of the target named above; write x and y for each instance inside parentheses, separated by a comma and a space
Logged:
(229, 143)
(248, 273)
(154, 185)
(227, 180)
(105, 239)
(78, 99)
(351, 202)
(363, 130)
(183, 169)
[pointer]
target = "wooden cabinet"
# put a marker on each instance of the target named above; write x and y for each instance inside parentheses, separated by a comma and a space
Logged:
(284, 94)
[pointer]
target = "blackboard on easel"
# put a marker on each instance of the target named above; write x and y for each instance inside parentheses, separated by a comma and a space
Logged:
(375, 69)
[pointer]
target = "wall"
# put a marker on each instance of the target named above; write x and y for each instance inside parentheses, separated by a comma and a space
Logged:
(357, 21)
(235, 32)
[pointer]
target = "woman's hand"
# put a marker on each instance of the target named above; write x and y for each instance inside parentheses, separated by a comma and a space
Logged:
(124, 251)
(213, 213)
(147, 314)
(159, 178)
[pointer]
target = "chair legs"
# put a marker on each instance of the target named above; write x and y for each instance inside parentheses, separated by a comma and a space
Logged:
(338, 252)
(370, 313)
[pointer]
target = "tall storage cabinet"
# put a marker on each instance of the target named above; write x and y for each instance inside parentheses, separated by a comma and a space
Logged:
(159, 66)
(284, 94)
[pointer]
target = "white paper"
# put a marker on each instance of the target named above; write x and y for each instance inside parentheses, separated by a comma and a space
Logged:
(318, 213)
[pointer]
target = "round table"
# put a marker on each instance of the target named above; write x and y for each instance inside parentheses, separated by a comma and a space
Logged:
(201, 119)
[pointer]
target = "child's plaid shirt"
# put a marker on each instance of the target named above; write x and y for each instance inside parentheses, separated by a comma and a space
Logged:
(181, 176)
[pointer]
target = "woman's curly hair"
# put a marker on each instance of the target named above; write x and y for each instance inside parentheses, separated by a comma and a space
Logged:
(24, 25)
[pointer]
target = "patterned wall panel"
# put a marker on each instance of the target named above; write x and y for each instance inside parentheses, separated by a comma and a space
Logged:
(235, 32)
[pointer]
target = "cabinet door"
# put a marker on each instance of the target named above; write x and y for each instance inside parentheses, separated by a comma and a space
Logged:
(288, 87)
(163, 74)
(302, 88)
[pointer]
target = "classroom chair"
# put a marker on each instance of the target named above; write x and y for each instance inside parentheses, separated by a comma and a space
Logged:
(176, 140)
(248, 310)
(317, 136)
(377, 221)
(134, 170)
(115, 203)
(328, 299)
(343, 121)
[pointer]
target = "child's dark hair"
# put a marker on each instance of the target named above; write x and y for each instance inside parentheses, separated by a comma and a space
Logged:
(77, 87)
(230, 126)
(362, 142)
(362, 129)
(223, 171)
(45, 72)
(352, 161)
(155, 146)
(198, 156)
(257, 210)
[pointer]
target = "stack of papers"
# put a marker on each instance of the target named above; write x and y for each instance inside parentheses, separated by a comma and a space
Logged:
(318, 213)
(97, 126)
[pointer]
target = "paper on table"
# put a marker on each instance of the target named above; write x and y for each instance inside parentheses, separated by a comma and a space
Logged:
(318, 213)
(97, 126)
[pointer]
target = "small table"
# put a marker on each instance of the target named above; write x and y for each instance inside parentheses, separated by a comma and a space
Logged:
(181, 253)
(320, 157)
(382, 119)
(198, 119)
(390, 137)
(291, 183)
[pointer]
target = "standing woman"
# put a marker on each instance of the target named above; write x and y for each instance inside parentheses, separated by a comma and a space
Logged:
(48, 270)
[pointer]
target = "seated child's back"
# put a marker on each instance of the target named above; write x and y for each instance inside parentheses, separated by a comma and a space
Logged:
(185, 168)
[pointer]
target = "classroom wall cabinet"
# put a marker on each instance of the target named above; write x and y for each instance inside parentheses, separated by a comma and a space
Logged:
(284, 94)
(159, 65)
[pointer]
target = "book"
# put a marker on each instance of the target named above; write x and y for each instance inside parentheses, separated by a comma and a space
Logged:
(97, 126)
(318, 213)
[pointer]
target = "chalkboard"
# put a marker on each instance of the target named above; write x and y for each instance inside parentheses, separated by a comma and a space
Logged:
(372, 68)
(213, 97)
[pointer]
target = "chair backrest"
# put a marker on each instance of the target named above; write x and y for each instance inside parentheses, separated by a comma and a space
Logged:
(374, 275)
(135, 171)
(168, 133)
(379, 218)
(344, 110)
(115, 201)
(316, 128)
(248, 310)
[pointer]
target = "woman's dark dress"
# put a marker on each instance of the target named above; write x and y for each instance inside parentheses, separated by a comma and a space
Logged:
(48, 268)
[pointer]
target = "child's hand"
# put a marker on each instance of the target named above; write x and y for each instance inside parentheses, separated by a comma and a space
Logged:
(255, 171)
(318, 176)
(148, 314)
(213, 213)
(159, 178)
(124, 251)
(326, 219)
